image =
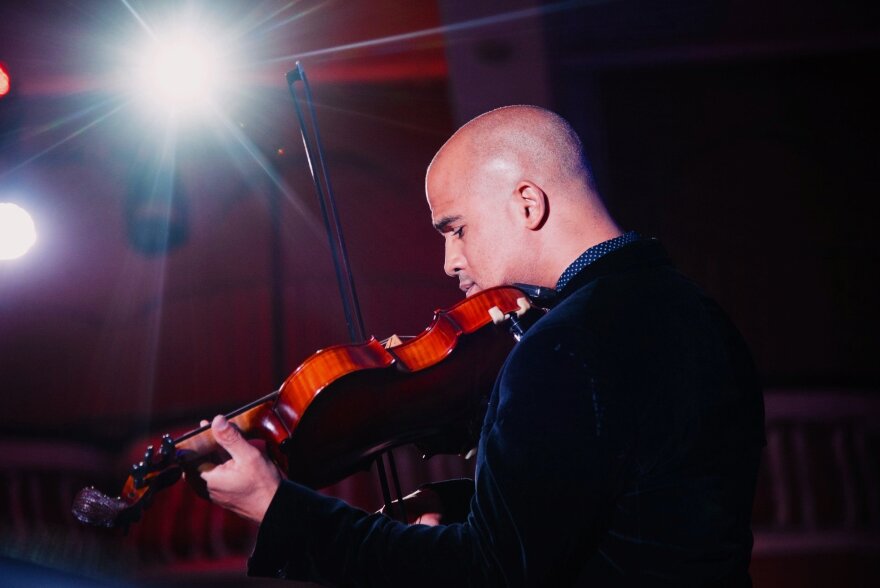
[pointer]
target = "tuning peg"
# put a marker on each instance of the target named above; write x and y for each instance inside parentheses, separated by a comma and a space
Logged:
(137, 474)
(167, 447)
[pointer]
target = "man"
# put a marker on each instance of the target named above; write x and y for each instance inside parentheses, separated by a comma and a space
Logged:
(622, 437)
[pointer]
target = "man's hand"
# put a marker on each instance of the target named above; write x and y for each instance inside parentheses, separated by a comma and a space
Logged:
(247, 482)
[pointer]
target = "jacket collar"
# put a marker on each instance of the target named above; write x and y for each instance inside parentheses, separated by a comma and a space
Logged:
(639, 254)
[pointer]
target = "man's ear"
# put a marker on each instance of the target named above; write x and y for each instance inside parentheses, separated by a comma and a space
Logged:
(532, 204)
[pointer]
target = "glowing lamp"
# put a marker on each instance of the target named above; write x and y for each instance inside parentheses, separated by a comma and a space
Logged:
(178, 73)
(4, 81)
(17, 231)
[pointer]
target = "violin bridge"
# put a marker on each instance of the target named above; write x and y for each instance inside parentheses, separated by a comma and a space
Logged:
(391, 342)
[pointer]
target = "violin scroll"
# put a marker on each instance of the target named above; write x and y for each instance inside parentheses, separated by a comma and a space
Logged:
(153, 473)
(93, 507)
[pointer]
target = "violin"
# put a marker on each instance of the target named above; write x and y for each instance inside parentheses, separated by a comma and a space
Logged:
(346, 404)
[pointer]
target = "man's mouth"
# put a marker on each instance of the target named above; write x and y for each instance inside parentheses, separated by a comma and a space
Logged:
(465, 287)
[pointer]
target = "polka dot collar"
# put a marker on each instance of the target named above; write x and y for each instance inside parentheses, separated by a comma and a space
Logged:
(594, 253)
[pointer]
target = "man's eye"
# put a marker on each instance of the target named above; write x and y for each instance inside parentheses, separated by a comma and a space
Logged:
(459, 232)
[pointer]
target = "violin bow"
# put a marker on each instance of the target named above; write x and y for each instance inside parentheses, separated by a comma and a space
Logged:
(311, 138)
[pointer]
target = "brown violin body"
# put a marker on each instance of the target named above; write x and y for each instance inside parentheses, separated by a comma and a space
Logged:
(347, 403)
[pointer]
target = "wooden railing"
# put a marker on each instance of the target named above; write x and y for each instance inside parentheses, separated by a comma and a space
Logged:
(818, 492)
(819, 488)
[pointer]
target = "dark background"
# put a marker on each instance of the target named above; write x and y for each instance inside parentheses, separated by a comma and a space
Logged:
(743, 134)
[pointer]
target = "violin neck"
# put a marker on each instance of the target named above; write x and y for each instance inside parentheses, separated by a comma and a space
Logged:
(200, 442)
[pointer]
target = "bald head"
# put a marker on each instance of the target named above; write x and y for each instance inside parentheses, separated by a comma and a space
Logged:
(537, 143)
(512, 195)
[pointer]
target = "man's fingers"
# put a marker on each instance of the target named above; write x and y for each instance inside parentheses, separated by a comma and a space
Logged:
(246, 483)
(230, 439)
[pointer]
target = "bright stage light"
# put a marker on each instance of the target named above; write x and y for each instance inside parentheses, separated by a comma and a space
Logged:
(178, 74)
(4, 81)
(17, 232)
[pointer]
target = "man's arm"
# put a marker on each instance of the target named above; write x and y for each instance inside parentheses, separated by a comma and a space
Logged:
(541, 445)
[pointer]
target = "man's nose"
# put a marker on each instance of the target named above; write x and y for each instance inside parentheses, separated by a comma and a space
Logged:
(454, 261)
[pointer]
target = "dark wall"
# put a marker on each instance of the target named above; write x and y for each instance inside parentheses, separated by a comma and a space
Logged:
(761, 179)
(745, 137)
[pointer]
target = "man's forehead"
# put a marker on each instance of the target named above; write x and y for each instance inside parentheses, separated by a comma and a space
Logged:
(444, 167)
(445, 206)
(441, 187)
(448, 184)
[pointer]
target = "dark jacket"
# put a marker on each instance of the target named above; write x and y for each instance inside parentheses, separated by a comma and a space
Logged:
(620, 447)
